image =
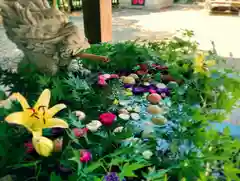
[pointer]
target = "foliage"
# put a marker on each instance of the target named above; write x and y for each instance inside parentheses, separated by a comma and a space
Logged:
(185, 147)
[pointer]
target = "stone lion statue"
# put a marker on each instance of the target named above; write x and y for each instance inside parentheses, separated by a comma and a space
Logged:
(44, 34)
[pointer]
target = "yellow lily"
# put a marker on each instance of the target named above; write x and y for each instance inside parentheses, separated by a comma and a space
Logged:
(43, 145)
(201, 65)
(39, 117)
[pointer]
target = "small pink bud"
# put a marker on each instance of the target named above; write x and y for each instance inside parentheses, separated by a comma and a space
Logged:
(78, 132)
(85, 156)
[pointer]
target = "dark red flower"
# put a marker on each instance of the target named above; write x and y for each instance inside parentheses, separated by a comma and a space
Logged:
(85, 156)
(143, 67)
(107, 118)
(78, 132)
(29, 147)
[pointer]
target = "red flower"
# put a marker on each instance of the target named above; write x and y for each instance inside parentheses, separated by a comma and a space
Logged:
(143, 67)
(114, 76)
(29, 147)
(107, 118)
(152, 91)
(142, 72)
(78, 132)
(85, 156)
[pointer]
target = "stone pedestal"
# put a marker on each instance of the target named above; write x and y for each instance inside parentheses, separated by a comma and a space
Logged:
(149, 4)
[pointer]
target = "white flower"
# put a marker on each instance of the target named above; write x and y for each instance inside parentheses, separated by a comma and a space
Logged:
(124, 116)
(147, 154)
(81, 115)
(94, 125)
(118, 129)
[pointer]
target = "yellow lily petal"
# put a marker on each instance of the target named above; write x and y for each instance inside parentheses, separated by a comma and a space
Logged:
(16, 118)
(43, 145)
(19, 97)
(43, 100)
(210, 63)
(55, 123)
(55, 109)
(37, 133)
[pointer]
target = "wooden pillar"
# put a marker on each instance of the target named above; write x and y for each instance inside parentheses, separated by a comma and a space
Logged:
(97, 15)
(55, 4)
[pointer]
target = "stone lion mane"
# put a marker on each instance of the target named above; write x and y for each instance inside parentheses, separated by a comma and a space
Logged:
(44, 34)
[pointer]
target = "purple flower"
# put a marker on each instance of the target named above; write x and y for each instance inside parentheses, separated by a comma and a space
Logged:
(112, 176)
(127, 86)
(139, 90)
(163, 90)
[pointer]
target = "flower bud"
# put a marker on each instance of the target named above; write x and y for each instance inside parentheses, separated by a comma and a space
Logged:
(42, 145)
(94, 125)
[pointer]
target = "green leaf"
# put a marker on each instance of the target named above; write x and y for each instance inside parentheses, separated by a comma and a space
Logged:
(127, 170)
(92, 167)
(55, 177)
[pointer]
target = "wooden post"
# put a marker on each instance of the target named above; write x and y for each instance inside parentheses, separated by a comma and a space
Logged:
(97, 15)
(55, 4)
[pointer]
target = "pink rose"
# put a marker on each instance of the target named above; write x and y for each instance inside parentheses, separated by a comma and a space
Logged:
(114, 76)
(78, 132)
(107, 118)
(85, 156)
(102, 82)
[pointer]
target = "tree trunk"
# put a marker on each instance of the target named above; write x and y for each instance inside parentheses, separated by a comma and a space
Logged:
(97, 15)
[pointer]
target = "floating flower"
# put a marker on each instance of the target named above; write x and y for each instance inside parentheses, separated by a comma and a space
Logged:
(147, 154)
(112, 176)
(94, 125)
(135, 116)
(129, 80)
(154, 109)
(85, 156)
(201, 65)
(43, 145)
(57, 145)
(39, 117)
(135, 76)
(161, 86)
(152, 91)
(107, 118)
(154, 98)
(80, 132)
(106, 76)
(118, 129)
(114, 76)
(123, 111)
(159, 120)
(124, 116)
(102, 82)
(139, 90)
(29, 147)
(81, 115)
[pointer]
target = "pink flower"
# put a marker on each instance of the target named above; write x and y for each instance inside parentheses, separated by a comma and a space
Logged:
(29, 147)
(101, 77)
(152, 91)
(78, 132)
(107, 118)
(85, 156)
(102, 82)
(114, 76)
